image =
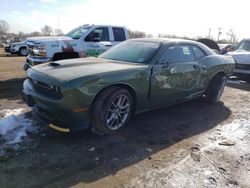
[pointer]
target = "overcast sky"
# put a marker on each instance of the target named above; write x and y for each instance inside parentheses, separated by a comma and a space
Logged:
(180, 17)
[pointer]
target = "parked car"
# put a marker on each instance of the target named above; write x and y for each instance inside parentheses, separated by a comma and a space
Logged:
(86, 40)
(224, 48)
(134, 76)
(19, 48)
(211, 44)
(7, 48)
(241, 56)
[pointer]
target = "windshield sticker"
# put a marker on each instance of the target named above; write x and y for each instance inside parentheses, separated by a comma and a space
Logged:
(186, 50)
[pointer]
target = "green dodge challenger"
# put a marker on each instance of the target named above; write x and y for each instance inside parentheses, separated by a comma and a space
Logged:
(135, 76)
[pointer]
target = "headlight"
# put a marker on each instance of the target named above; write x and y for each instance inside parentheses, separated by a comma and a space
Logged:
(39, 51)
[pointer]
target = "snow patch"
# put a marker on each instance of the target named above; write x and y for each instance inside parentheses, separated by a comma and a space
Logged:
(233, 81)
(187, 172)
(15, 125)
(6, 113)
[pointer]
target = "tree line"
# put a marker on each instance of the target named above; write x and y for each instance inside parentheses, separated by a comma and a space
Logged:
(45, 31)
(50, 31)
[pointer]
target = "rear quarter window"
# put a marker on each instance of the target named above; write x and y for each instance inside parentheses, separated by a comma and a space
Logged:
(199, 54)
(119, 34)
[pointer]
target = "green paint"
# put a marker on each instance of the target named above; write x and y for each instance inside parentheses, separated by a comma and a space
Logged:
(154, 84)
(94, 53)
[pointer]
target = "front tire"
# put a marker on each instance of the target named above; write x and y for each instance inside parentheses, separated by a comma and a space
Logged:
(23, 51)
(111, 110)
(216, 88)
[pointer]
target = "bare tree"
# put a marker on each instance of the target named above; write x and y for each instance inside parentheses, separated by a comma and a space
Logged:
(160, 35)
(59, 32)
(35, 34)
(136, 34)
(149, 35)
(4, 27)
(47, 30)
(232, 36)
(21, 34)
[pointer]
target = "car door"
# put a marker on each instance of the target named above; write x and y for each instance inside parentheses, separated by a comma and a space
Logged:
(97, 41)
(200, 57)
(175, 76)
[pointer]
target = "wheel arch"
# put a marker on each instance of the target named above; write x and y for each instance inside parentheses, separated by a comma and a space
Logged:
(22, 47)
(126, 86)
(221, 73)
(18, 50)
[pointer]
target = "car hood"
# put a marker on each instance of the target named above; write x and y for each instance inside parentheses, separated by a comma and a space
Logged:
(18, 43)
(66, 70)
(38, 40)
(240, 56)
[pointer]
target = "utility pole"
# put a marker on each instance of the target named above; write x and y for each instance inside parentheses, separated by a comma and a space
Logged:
(209, 33)
(219, 33)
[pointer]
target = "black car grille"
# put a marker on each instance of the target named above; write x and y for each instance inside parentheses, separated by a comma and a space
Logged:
(45, 89)
(242, 66)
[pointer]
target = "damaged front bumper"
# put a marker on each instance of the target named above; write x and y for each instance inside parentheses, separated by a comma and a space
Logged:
(56, 113)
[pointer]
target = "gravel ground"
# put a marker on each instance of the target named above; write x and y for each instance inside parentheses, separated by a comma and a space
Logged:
(193, 144)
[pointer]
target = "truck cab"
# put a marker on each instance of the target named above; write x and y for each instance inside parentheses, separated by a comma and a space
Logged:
(83, 41)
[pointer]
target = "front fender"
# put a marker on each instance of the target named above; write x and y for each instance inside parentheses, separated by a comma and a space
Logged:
(138, 80)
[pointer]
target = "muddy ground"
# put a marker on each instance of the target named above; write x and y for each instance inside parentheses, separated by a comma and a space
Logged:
(193, 144)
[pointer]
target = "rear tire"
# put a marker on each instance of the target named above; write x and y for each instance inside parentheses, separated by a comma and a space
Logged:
(112, 110)
(216, 88)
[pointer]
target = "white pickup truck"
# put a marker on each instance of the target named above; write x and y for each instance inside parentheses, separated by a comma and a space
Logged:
(86, 40)
(19, 48)
(241, 56)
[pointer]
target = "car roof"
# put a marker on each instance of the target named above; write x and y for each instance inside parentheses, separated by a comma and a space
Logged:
(165, 40)
(100, 25)
(174, 40)
(246, 39)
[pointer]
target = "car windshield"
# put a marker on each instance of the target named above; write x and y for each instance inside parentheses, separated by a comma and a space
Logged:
(244, 45)
(78, 32)
(132, 51)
